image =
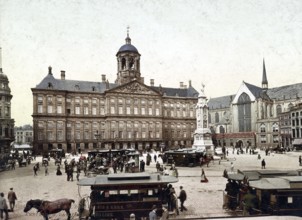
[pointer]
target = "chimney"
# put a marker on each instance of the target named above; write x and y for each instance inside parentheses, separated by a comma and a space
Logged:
(152, 82)
(62, 74)
(49, 70)
(181, 85)
(190, 83)
(103, 78)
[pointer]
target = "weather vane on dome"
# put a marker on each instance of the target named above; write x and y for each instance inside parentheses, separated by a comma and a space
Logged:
(128, 27)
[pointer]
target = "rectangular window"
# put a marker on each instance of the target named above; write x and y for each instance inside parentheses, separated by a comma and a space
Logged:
(78, 135)
(112, 110)
(40, 135)
(86, 100)
(68, 125)
(49, 109)
(157, 112)
(191, 113)
(86, 112)
(275, 138)
(263, 139)
(49, 135)
(40, 99)
(120, 110)
(172, 113)
(59, 109)
(128, 111)
(60, 124)
(157, 135)
(59, 98)
(135, 110)
(102, 111)
(150, 111)
(129, 134)
(93, 110)
(86, 135)
(68, 99)
(77, 110)
(150, 134)
(143, 134)
(49, 98)
(60, 135)
(93, 101)
(40, 108)
(143, 111)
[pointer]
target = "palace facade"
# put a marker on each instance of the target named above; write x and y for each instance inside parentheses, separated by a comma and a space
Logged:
(80, 115)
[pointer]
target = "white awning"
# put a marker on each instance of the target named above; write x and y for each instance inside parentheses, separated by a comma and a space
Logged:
(297, 142)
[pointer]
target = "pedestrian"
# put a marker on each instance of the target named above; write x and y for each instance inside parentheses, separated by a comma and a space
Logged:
(46, 170)
(232, 167)
(3, 206)
(259, 157)
(263, 164)
(174, 202)
(59, 173)
(152, 214)
(203, 177)
(11, 196)
(35, 170)
(155, 158)
(157, 166)
(182, 198)
(78, 174)
(300, 160)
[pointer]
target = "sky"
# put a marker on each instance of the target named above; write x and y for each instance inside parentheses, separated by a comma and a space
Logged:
(218, 43)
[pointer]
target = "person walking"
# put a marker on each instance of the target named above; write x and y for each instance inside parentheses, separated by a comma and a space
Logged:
(35, 170)
(11, 196)
(152, 214)
(46, 170)
(174, 202)
(204, 179)
(182, 198)
(78, 174)
(300, 160)
(155, 158)
(263, 164)
(3, 206)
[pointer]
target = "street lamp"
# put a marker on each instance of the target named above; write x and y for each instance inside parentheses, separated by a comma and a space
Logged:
(98, 137)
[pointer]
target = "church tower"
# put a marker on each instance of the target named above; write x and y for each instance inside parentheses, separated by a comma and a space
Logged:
(202, 135)
(6, 123)
(128, 63)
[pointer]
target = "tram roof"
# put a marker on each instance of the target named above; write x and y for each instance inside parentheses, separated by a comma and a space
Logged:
(288, 182)
(258, 174)
(127, 179)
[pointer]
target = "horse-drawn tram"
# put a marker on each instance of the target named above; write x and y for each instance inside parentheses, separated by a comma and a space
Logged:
(183, 157)
(116, 196)
(273, 192)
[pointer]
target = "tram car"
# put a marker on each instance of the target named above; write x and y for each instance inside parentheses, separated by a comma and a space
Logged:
(117, 196)
(187, 157)
(272, 192)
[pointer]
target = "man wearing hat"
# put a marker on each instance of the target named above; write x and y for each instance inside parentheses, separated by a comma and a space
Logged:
(11, 196)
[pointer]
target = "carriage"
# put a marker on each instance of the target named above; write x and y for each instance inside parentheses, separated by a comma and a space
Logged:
(116, 196)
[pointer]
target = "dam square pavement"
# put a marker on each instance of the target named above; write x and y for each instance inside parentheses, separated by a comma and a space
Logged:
(203, 199)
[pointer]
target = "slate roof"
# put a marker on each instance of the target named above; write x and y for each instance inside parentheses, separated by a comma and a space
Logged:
(277, 93)
(86, 86)
(220, 102)
(177, 92)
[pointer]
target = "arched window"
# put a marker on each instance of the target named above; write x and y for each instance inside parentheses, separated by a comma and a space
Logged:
(216, 117)
(131, 64)
(221, 130)
(244, 112)
(262, 128)
(275, 127)
(123, 63)
(278, 109)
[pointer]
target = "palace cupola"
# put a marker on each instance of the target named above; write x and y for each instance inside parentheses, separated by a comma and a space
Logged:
(128, 63)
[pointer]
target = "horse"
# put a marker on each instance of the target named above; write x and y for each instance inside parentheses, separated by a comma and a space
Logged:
(50, 207)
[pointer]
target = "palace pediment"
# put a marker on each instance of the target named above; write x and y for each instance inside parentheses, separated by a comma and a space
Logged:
(134, 88)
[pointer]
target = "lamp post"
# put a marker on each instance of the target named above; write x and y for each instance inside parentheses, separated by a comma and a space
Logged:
(98, 137)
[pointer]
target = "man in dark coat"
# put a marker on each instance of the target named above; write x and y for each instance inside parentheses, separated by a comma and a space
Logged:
(182, 197)
(263, 164)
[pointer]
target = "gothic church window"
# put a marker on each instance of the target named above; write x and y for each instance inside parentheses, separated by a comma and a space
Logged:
(216, 117)
(278, 109)
(244, 113)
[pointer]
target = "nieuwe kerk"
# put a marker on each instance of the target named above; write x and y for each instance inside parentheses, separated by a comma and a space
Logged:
(72, 114)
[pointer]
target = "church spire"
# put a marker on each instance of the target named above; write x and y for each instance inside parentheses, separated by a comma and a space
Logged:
(264, 78)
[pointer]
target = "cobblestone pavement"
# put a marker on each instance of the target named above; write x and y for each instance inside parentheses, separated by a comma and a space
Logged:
(204, 199)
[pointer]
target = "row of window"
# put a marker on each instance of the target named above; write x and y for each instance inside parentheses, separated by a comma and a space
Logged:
(86, 135)
(114, 124)
(275, 128)
(263, 139)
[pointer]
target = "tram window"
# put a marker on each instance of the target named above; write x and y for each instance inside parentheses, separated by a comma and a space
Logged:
(113, 192)
(289, 199)
(150, 192)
